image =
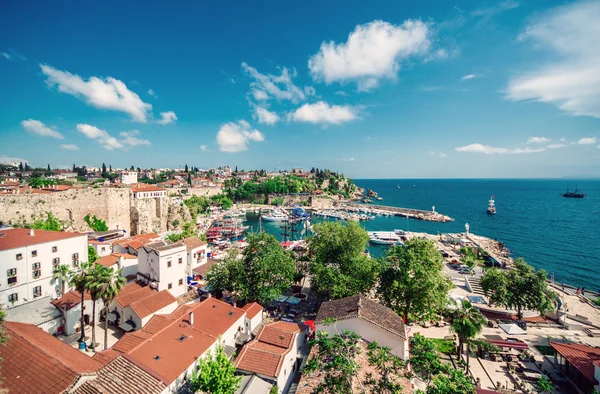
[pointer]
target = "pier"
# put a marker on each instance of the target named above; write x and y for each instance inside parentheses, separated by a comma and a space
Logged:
(410, 213)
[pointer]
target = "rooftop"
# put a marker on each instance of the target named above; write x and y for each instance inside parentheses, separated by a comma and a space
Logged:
(35, 312)
(153, 303)
(252, 309)
(193, 242)
(137, 241)
(70, 299)
(134, 295)
(581, 357)
(20, 237)
(164, 245)
(363, 308)
(112, 259)
(36, 362)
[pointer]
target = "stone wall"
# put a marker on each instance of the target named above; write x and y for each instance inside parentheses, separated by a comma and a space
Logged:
(207, 191)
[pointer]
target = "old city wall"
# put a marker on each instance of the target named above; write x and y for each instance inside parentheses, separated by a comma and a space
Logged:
(149, 215)
(205, 191)
(70, 206)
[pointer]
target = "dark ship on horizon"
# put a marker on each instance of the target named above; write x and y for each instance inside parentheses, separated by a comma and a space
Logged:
(575, 194)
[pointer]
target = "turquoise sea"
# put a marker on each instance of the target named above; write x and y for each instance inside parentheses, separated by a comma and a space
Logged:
(560, 235)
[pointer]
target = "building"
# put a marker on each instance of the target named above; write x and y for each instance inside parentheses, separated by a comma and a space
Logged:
(129, 177)
(274, 355)
(132, 245)
(164, 264)
(70, 307)
(136, 304)
(128, 263)
(580, 363)
(40, 312)
(28, 259)
(367, 318)
(196, 254)
(36, 362)
(170, 346)
(147, 191)
(102, 241)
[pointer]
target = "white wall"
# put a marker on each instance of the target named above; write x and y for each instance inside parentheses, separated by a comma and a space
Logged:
(51, 327)
(25, 279)
(251, 324)
(73, 316)
(129, 266)
(103, 249)
(369, 333)
(154, 264)
(129, 177)
(287, 372)
(166, 310)
(195, 258)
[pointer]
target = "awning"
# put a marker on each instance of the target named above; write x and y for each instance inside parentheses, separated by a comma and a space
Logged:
(282, 298)
(126, 327)
(293, 300)
(512, 329)
(112, 317)
(509, 344)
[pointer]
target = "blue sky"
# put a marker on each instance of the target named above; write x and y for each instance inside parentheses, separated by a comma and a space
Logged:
(374, 89)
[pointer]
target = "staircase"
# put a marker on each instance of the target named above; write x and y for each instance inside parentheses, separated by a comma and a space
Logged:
(476, 285)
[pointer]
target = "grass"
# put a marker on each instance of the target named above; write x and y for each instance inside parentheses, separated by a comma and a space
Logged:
(545, 350)
(443, 346)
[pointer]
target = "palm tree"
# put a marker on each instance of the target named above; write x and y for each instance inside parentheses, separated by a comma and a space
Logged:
(79, 279)
(62, 273)
(466, 322)
(109, 288)
(96, 277)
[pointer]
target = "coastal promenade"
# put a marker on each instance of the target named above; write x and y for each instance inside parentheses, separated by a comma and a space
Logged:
(410, 213)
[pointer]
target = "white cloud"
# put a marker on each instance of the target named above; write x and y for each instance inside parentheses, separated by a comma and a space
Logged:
(309, 91)
(501, 7)
(490, 150)
(265, 116)
(572, 83)
(107, 93)
(69, 147)
(349, 159)
(10, 160)
(130, 138)
(235, 137)
(39, 128)
(469, 76)
(438, 154)
(556, 146)
(322, 112)
(151, 93)
(204, 148)
(281, 87)
(538, 140)
(167, 117)
(372, 52)
(563, 139)
(341, 93)
(11, 54)
(587, 141)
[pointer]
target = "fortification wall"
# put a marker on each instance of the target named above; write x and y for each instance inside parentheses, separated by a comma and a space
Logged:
(207, 191)
(70, 206)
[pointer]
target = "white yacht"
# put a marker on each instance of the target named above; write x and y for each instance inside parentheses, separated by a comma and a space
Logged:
(384, 238)
(275, 216)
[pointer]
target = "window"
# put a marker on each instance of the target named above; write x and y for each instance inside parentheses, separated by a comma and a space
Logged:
(55, 262)
(12, 276)
(76, 259)
(180, 260)
(34, 253)
(54, 249)
(14, 297)
(37, 271)
(37, 291)
(180, 282)
(19, 256)
(103, 248)
(168, 264)
(170, 286)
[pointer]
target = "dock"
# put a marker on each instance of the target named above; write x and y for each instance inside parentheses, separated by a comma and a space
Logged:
(410, 213)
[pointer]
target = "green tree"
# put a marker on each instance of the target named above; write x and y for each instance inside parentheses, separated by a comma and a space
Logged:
(95, 223)
(189, 178)
(109, 288)
(412, 281)
(63, 274)
(544, 385)
(96, 276)
(466, 322)
(215, 374)
(453, 382)
(104, 173)
(424, 358)
(521, 287)
(389, 368)
(339, 268)
(92, 254)
(189, 230)
(263, 273)
(79, 280)
(51, 223)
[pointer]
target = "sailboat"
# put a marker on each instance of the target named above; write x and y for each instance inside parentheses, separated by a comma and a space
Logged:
(491, 210)
(398, 186)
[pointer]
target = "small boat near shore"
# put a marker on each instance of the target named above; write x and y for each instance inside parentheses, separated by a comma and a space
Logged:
(275, 216)
(491, 210)
(384, 238)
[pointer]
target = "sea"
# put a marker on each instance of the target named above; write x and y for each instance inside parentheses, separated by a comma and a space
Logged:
(560, 235)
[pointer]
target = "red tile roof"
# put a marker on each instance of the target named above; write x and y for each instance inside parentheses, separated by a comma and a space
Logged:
(70, 299)
(36, 362)
(131, 287)
(252, 309)
(106, 356)
(204, 268)
(130, 297)
(138, 241)
(193, 242)
(112, 259)
(152, 304)
(130, 341)
(139, 188)
(19, 237)
(157, 323)
(579, 356)
(214, 317)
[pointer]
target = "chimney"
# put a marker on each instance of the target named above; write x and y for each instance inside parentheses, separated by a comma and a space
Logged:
(31, 232)
(191, 318)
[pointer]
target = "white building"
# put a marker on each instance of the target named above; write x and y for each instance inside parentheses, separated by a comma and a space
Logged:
(165, 264)
(148, 192)
(28, 258)
(133, 308)
(127, 263)
(367, 318)
(70, 306)
(129, 177)
(274, 355)
(196, 254)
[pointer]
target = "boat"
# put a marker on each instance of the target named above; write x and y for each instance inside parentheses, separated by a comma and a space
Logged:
(275, 216)
(299, 213)
(384, 238)
(398, 186)
(576, 194)
(491, 210)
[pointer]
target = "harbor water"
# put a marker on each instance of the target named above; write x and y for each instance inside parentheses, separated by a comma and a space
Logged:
(533, 219)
